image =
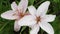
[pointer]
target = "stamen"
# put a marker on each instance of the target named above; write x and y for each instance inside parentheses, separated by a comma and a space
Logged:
(21, 15)
(38, 19)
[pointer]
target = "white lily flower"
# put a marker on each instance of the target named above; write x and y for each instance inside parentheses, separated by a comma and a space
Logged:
(38, 18)
(16, 13)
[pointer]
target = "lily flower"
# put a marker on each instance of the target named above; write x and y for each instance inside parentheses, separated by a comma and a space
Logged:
(17, 12)
(38, 18)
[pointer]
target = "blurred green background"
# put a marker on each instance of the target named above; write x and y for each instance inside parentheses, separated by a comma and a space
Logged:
(7, 26)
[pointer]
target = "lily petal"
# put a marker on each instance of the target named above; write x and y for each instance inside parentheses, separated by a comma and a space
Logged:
(9, 15)
(16, 26)
(42, 9)
(14, 6)
(32, 10)
(46, 27)
(27, 21)
(23, 5)
(35, 29)
(48, 18)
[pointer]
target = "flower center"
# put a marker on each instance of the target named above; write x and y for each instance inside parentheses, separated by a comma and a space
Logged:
(38, 19)
(21, 15)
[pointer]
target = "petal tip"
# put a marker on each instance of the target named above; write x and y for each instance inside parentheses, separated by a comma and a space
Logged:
(30, 6)
(47, 2)
(2, 15)
(13, 3)
(54, 16)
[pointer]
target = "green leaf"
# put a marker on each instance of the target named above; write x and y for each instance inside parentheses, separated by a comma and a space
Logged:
(56, 1)
(23, 28)
(56, 25)
(31, 2)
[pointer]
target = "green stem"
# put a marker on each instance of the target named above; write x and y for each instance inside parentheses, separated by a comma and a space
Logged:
(23, 29)
(20, 32)
(3, 26)
(41, 31)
